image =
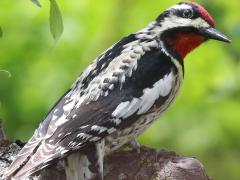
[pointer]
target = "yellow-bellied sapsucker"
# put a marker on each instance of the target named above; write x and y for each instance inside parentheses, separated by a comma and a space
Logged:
(118, 96)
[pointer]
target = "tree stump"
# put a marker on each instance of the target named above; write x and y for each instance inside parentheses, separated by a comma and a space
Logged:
(126, 164)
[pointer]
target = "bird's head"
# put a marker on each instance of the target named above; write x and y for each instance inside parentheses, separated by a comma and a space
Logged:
(185, 26)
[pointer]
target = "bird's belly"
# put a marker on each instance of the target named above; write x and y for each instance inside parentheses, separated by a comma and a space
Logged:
(123, 136)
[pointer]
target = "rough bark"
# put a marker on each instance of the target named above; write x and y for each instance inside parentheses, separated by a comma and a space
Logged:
(148, 164)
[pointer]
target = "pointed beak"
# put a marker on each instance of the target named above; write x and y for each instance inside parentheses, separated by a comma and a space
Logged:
(212, 33)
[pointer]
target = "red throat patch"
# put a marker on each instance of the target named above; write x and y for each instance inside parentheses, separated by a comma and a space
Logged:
(205, 15)
(184, 43)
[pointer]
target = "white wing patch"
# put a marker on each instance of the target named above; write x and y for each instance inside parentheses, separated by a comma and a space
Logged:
(142, 104)
(160, 88)
(119, 111)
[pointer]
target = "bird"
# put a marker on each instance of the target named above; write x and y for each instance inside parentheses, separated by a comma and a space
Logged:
(118, 96)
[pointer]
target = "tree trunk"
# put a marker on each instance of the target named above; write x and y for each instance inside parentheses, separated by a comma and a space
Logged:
(148, 164)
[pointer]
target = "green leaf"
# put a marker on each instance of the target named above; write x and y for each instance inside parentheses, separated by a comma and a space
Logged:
(5, 72)
(56, 23)
(37, 3)
(1, 32)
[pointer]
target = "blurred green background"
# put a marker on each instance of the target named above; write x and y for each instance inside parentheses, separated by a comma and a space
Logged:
(203, 122)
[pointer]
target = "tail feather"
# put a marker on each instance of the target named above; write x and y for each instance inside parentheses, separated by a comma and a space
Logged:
(45, 154)
(22, 157)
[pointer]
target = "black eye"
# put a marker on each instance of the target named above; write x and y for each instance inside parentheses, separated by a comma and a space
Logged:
(187, 13)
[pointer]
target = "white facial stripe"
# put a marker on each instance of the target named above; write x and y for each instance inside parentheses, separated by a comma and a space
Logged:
(180, 6)
(174, 22)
